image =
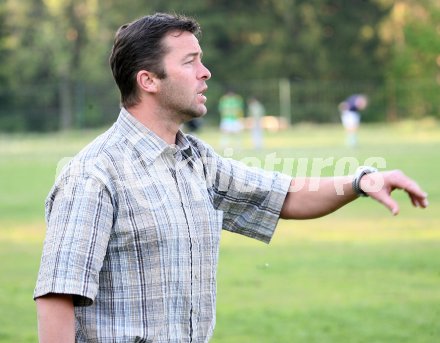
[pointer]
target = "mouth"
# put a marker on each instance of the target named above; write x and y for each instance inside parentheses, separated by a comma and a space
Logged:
(201, 93)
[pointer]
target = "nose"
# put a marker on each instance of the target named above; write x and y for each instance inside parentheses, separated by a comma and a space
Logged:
(205, 74)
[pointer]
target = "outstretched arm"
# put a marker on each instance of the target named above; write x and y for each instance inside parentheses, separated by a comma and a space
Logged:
(316, 197)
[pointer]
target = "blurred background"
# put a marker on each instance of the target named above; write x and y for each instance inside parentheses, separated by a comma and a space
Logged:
(358, 275)
(300, 58)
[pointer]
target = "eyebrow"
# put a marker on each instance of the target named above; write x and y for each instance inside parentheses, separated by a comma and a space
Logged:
(193, 54)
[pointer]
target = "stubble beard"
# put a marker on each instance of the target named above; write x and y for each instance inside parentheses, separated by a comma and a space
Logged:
(178, 104)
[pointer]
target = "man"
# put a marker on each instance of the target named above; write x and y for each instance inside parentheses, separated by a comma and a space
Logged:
(351, 117)
(231, 109)
(134, 220)
(256, 112)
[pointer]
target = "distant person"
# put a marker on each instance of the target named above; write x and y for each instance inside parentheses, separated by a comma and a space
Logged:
(351, 117)
(256, 112)
(134, 220)
(231, 108)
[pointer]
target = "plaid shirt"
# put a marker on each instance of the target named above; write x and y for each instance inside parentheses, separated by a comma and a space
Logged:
(133, 231)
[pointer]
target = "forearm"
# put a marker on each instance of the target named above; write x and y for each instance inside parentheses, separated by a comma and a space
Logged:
(316, 197)
(56, 320)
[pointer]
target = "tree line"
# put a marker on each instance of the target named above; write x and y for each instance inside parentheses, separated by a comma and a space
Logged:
(54, 71)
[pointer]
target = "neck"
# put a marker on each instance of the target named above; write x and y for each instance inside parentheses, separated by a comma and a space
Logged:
(156, 121)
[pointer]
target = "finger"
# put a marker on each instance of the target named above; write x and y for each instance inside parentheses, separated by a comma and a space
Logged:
(416, 201)
(419, 201)
(394, 209)
(417, 195)
(412, 188)
(388, 202)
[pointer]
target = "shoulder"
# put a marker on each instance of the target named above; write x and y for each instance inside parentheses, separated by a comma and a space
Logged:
(93, 159)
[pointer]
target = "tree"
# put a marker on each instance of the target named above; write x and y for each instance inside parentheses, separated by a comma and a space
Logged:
(54, 69)
(26, 66)
(412, 32)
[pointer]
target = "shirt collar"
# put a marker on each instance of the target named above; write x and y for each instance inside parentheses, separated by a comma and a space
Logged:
(149, 145)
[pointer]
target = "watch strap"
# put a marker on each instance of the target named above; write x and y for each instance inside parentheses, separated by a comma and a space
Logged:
(361, 172)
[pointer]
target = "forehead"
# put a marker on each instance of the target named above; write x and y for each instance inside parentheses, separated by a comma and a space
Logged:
(179, 44)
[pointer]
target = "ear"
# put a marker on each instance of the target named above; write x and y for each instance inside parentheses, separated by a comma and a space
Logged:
(147, 81)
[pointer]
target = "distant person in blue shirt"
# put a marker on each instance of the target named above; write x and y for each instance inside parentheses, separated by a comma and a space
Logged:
(351, 117)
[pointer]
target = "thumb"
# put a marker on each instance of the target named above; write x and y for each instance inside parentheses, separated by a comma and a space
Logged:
(390, 203)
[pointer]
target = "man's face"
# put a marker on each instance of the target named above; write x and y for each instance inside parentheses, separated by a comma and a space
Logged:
(181, 91)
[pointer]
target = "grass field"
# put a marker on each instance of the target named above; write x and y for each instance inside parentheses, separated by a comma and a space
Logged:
(357, 275)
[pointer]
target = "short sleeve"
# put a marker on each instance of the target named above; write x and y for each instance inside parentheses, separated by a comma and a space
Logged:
(79, 215)
(251, 199)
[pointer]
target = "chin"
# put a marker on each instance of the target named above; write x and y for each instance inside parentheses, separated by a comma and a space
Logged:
(193, 115)
(200, 112)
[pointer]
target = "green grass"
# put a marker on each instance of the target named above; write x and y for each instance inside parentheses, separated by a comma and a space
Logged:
(357, 275)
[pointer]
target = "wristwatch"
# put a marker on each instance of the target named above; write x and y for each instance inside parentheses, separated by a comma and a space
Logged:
(360, 172)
